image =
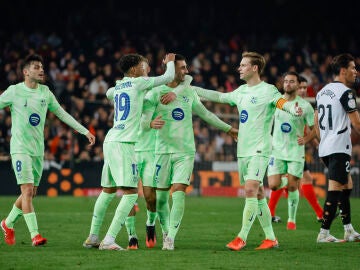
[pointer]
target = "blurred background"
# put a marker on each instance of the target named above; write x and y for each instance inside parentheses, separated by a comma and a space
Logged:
(81, 43)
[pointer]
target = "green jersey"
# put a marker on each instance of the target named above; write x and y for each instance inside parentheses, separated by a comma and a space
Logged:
(147, 136)
(28, 115)
(128, 98)
(146, 140)
(256, 106)
(287, 128)
(177, 135)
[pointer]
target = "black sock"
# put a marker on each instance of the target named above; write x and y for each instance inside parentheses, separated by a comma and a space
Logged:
(344, 205)
(330, 206)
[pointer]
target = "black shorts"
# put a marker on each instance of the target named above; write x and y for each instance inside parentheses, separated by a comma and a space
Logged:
(338, 165)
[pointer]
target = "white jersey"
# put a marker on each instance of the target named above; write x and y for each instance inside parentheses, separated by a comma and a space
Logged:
(333, 103)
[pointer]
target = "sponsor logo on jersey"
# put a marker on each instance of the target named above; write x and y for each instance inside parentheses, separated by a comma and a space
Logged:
(178, 114)
(123, 85)
(285, 127)
(244, 116)
(34, 119)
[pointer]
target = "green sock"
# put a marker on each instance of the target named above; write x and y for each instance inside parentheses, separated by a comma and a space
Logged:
(13, 216)
(284, 182)
(293, 202)
(130, 226)
(176, 213)
(249, 214)
(163, 209)
(264, 217)
(151, 217)
(126, 203)
(31, 222)
(101, 205)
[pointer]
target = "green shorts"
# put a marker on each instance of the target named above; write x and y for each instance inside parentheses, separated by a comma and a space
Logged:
(252, 168)
(280, 166)
(145, 163)
(173, 169)
(28, 169)
(120, 167)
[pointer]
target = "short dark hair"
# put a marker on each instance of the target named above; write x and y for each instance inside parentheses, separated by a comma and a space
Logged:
(302, 79)
(130, 60)
(179, 57)
(31, 58)
(341, 61)
(294, 73)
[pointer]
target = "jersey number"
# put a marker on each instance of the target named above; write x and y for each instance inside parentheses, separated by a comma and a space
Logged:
(322, 112)
(122, 105)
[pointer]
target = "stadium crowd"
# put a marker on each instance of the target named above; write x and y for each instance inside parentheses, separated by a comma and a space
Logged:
(80, 69)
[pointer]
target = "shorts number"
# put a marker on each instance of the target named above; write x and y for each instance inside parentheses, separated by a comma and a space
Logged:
(347, 166)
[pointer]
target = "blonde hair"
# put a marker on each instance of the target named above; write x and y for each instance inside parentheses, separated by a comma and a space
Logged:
(256, 59)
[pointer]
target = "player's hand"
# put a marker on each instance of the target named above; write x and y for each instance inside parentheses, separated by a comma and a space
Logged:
(169, 57)
(91, 138)
(233, 132)
(167, 98)
(301, 140)
(157, 123)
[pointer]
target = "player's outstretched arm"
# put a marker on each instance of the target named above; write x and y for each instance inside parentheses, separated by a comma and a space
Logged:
(70, 121)
(211, 95)
(208, 116)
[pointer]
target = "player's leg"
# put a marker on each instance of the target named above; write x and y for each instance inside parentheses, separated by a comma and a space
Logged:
(8, 223)
(264, 217)
(123, 168)
(337, 169)
(182, 167)
(28, 171)
(146, 171)
(350, 235)
(276, 169)
(308, 191)
(131, 229)
(163, 183)
(102, 203)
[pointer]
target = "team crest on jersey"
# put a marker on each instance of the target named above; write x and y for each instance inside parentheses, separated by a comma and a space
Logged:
(244, 116)
(285, 127)
(43, 103)
(253, 100)
(185, 99)
(178, 114)
(34, 119)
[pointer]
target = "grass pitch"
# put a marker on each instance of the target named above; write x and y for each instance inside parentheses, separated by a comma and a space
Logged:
(208, 225)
